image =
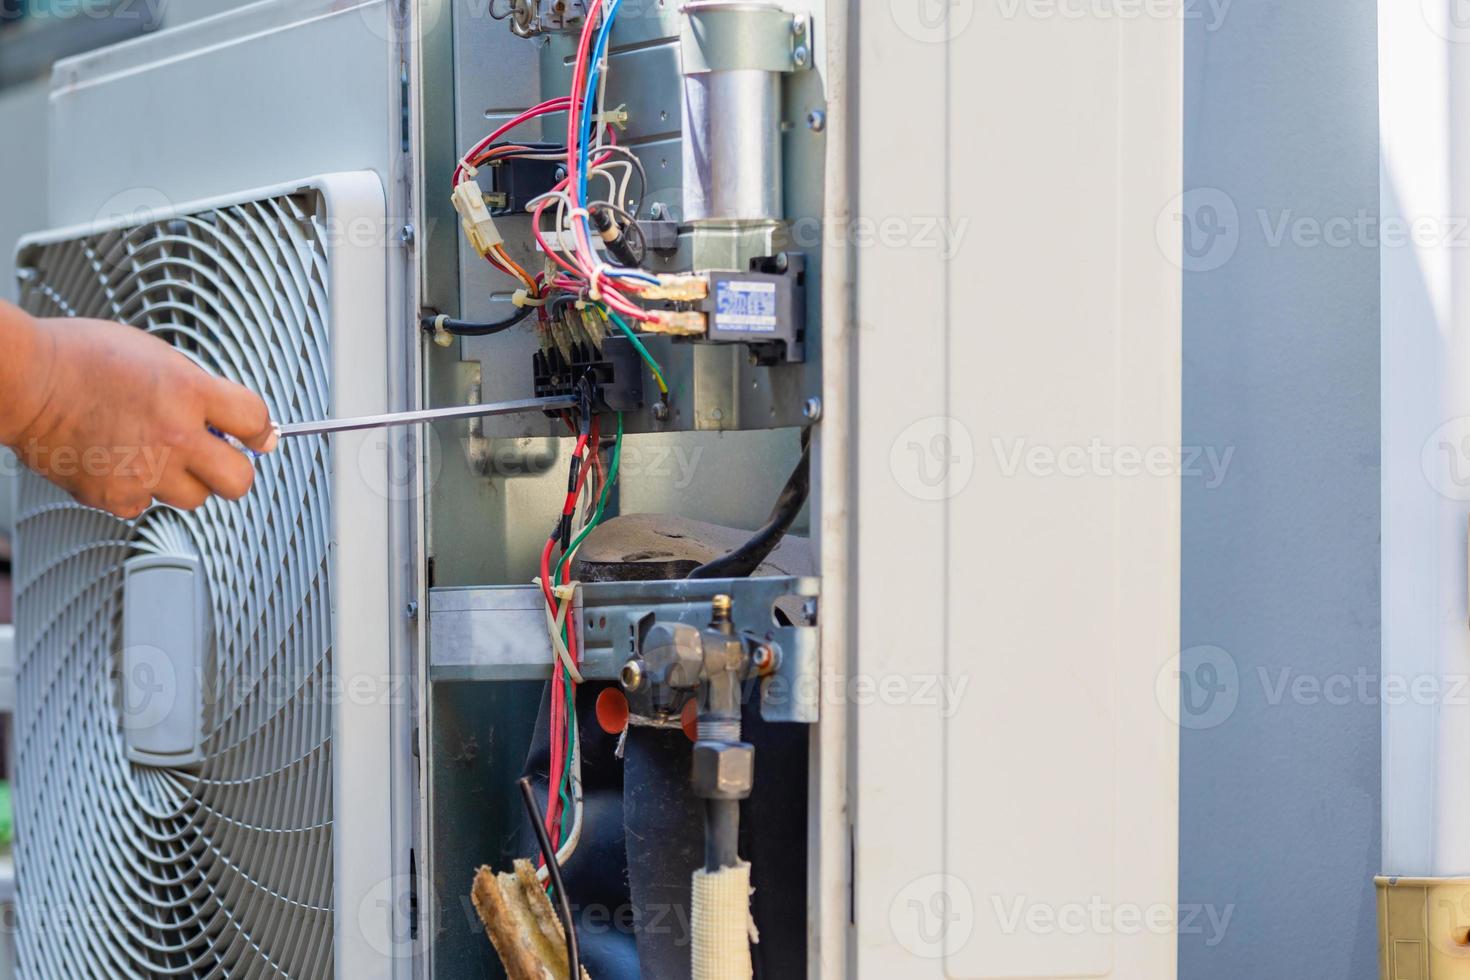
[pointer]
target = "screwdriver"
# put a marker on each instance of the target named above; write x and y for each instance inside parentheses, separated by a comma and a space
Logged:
(328, 426)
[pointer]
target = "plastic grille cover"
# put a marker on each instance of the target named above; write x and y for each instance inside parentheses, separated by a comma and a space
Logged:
(223, 868)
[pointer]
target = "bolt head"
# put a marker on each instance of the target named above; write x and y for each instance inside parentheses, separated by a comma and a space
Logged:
(661, 411)
(656, 211)
(812, 409)
(801, 54)
(816, 120)
(631, 676)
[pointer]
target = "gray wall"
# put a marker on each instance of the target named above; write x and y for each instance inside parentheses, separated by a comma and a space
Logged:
(1280, 788)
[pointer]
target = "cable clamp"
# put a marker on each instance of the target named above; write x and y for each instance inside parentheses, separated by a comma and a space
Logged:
(617, 117)
(521, 298)
(442, 337)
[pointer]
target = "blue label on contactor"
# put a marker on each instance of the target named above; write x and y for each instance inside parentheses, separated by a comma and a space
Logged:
(745, 307)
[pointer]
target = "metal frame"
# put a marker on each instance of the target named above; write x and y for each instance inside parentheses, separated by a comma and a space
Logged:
(495, 634)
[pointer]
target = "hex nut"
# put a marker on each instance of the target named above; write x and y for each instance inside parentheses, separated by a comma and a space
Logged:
(722, 771)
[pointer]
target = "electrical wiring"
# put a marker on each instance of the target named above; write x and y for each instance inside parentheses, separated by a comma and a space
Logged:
(533, 813)
(658, 374)
(471, 328)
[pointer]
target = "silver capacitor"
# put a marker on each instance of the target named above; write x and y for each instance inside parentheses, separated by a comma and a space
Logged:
(734, 54)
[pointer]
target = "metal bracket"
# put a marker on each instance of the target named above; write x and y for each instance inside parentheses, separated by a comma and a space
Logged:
(729, 35)
(499, 633)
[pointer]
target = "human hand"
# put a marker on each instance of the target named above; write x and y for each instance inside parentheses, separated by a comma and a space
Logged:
(119, 419)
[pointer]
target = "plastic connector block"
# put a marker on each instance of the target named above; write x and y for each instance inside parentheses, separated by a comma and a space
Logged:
(474, 214)
(519, 181)
(616, 373)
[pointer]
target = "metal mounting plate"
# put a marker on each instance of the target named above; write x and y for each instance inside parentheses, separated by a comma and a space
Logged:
(499, 633)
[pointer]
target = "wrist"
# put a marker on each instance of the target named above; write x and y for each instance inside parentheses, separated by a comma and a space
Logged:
(29, 376)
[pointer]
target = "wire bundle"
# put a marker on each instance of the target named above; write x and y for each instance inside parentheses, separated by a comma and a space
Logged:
(575, 272)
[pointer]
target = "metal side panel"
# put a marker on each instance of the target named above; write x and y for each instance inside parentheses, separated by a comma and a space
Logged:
(1016, 688)
(255, 97)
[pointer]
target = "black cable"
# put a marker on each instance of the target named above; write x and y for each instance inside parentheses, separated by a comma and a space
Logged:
(470, 328)
(548, 854)
(745, 559)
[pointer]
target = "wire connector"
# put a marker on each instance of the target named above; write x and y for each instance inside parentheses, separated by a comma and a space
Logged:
(678, 323)
(474, 215)
(677, 288)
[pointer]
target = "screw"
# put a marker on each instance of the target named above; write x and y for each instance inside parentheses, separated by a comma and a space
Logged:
(765, 659)
(412, 611)
(801, 54)
(561, 174)
(809, 612)
(812, 409)
(631, 675)
(656, 211)
(816, 120)
(661, 411)
(406, 234)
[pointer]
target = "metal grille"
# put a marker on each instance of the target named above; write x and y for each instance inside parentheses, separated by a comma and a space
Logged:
(224, 868)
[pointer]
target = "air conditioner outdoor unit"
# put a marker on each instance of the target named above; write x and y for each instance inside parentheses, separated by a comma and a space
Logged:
(200, 726)
(207, 709)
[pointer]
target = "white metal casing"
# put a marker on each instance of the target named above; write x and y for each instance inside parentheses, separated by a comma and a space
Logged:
(227, 109)
(1007, 648)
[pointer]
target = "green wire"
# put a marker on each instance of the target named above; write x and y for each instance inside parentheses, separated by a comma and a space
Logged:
(658, 374)
(612, 477)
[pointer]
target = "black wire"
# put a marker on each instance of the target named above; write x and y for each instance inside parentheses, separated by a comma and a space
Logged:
(470, 328)
(630, 229)
(745, 559)
(548, 854)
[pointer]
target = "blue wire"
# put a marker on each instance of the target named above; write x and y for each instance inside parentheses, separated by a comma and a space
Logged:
(594, 70)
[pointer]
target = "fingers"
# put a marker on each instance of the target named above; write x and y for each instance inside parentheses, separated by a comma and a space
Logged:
(182, 490)
(240, 412)
(219, 468)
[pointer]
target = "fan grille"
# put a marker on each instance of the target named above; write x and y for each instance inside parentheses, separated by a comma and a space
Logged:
(224, 868)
